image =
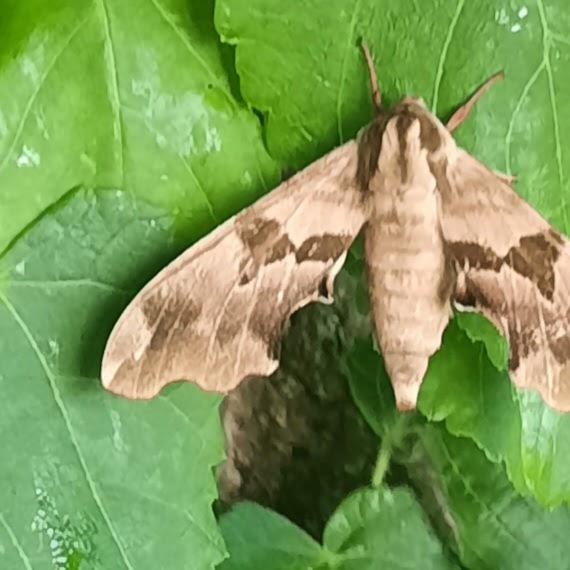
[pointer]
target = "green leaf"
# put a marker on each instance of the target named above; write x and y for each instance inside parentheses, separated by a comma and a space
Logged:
(257, 537)
(494, 527)
(128, 95)
(463, 388)
(89, 479)
(370, 387)
(372, 528)
(478, 328)
(382, 528)
(476, 400)
(303, 69)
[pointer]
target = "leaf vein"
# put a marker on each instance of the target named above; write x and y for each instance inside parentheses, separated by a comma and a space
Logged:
(37, 90)
(444, 53)
(492, 515)
(201, 188)
(524, 93)
(113, 84)
(552, 97)
(343, 70)
(46, 284)
(67, 421)
(14, 539)
(162, 12)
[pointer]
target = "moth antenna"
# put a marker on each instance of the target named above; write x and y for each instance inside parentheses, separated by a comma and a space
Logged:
(375, 88)
(463, 112)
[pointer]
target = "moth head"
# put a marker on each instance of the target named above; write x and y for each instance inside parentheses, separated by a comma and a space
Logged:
(410, 101)
(431, 132)
(415, 108)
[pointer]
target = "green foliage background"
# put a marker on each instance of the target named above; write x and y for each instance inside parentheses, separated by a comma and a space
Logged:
(130, 129)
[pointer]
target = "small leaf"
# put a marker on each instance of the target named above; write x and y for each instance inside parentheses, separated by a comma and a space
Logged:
(370, 386)
(257, 537)
(475, 399)
(382, 528)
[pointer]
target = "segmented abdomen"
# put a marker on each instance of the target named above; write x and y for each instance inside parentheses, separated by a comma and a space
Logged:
(407, 284)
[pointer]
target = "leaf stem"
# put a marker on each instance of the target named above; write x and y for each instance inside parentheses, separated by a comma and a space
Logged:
(391, 440)
(382, 462)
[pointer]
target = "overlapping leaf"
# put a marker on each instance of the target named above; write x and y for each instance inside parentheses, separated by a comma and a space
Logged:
(492, 525)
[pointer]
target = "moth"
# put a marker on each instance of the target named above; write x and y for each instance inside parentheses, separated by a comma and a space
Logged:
(441, 231)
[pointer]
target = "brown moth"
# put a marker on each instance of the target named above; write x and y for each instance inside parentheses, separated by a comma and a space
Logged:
(440, 230)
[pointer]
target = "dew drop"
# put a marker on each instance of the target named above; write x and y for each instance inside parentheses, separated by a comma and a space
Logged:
(54, 347)
(20, 269)
(501, 17)
(28, 158)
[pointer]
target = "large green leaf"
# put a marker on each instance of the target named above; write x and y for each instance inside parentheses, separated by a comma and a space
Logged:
(304, 70)
(257, 537)
(140, 97)
(86, 476)
(129, 95)
(382, 528)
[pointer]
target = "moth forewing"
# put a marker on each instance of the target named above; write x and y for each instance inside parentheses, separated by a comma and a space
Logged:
(215, 315)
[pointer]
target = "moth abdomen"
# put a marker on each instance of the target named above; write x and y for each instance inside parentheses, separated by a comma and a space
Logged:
(410, 306)
(406, 371)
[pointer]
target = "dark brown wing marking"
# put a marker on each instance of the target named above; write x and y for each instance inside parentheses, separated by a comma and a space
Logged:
(533, 258)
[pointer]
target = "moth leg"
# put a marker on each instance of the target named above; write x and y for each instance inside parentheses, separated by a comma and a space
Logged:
(375, 88)
(509, 179)
(463, 112)
(326, 286)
